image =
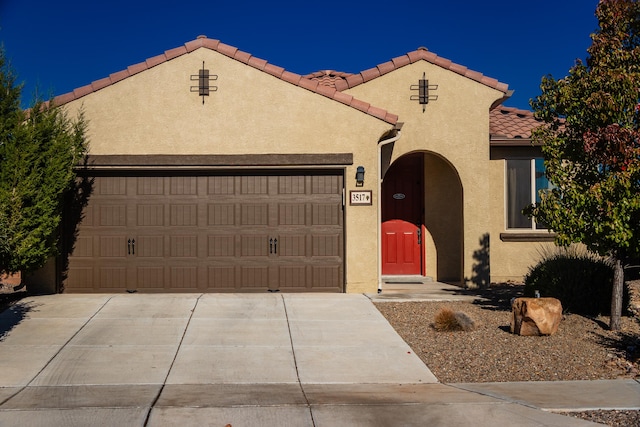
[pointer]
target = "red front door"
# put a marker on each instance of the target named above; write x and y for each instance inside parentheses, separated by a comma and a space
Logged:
(401, 248)
(403, 217)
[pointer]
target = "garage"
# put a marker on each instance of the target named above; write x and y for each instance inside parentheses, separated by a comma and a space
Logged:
(211, 231)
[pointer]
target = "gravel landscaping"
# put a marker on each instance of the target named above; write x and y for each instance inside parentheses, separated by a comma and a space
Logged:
(582, 349)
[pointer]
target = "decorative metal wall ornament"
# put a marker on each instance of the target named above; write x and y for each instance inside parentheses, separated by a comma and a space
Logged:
(423, 87)
(203, 79)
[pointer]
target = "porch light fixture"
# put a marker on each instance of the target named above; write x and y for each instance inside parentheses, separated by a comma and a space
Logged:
(423, 87)
(203, 79)
(360, 176)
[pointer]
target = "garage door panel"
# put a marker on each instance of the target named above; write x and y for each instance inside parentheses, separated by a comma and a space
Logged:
(150, 185)
(150, 215)
(198, 233)
(148, 246)
(327, 214)
(183, 185)
(221, 214)
(326, 184)
(221, 246)
(292, 277)
(183, 246)
(254, 276)
(255, 245)
(327, 277)
(88, 217)
(292, 245)
(184, 278)
(81, 278)
(222, 278)
(112, 215)
(292, 214)
(84, 247)
(112, 186)
(183, 215)
(149, 277)
(112, 246)
(254, 214)
(112, 277)
(254, 185)
(327, 245)
(292, 184)
(221, 185)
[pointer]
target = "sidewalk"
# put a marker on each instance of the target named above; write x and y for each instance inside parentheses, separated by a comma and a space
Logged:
(248, 360)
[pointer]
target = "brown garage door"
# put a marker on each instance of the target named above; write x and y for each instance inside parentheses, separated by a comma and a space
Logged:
(211, 233)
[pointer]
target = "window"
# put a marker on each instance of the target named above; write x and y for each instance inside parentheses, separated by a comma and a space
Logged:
(525, 179)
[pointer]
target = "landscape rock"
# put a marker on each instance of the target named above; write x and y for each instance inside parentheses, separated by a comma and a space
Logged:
(535, 316)
(10, 279)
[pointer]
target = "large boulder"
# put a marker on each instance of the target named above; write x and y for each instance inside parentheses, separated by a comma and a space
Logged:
(535, 316)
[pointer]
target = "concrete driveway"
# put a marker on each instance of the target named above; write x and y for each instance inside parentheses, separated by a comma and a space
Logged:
(226, 359)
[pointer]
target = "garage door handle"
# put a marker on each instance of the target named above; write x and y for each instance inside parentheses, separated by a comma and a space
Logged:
(270, 246)
(275, 246)
(133, 247)
(129, 247)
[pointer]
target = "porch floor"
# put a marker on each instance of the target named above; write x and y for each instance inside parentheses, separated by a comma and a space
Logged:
(418, 288)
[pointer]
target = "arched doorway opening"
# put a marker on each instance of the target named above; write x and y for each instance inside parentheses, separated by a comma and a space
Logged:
(422, 218)
(403, 217)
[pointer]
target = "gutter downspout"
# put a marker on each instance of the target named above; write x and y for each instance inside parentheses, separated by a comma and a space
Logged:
(398, 127)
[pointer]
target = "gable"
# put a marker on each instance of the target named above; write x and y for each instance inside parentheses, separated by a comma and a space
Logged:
(421, 54)
(252, 107)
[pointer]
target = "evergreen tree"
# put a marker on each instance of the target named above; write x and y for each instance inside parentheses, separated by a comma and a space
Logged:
(591, 144)
(39, 149)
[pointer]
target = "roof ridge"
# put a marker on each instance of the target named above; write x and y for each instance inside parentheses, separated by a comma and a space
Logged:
(514, 110)
(421, 53)
(324, 73)
(234, 53)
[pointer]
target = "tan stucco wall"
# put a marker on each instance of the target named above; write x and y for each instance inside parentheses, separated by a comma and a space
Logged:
(443, 218)
(455, 127)
(510, 261)
(252, 112)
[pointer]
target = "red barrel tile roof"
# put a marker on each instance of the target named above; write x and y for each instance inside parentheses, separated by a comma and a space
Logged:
(410, 58)
(511, 123)
(328, 77)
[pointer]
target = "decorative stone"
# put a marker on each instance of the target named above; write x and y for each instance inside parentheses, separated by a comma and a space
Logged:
(535, 316)
(11, 279)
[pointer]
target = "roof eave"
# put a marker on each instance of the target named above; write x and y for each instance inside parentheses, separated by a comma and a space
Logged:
(422, 54)
(508, 94)
(503, 141)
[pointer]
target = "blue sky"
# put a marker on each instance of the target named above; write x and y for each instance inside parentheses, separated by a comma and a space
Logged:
(58, 46)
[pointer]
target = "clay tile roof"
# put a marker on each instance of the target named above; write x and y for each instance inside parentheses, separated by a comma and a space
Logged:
(417, 55)
(511, 123)
(327, 77)
(312, 83)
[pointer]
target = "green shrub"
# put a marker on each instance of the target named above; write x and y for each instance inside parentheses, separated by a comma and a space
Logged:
(581, 280)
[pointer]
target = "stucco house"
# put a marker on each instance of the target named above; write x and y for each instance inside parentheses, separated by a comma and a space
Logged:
(213, 170)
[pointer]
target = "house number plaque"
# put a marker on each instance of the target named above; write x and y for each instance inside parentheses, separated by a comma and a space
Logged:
(362, 198)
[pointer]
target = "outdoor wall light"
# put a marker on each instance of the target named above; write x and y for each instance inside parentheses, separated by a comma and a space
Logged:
(360, 176)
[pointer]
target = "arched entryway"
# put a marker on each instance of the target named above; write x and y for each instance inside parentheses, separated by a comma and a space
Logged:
(403, 217)
(422, 218)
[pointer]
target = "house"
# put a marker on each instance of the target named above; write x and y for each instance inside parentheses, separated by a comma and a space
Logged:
(216, 171)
